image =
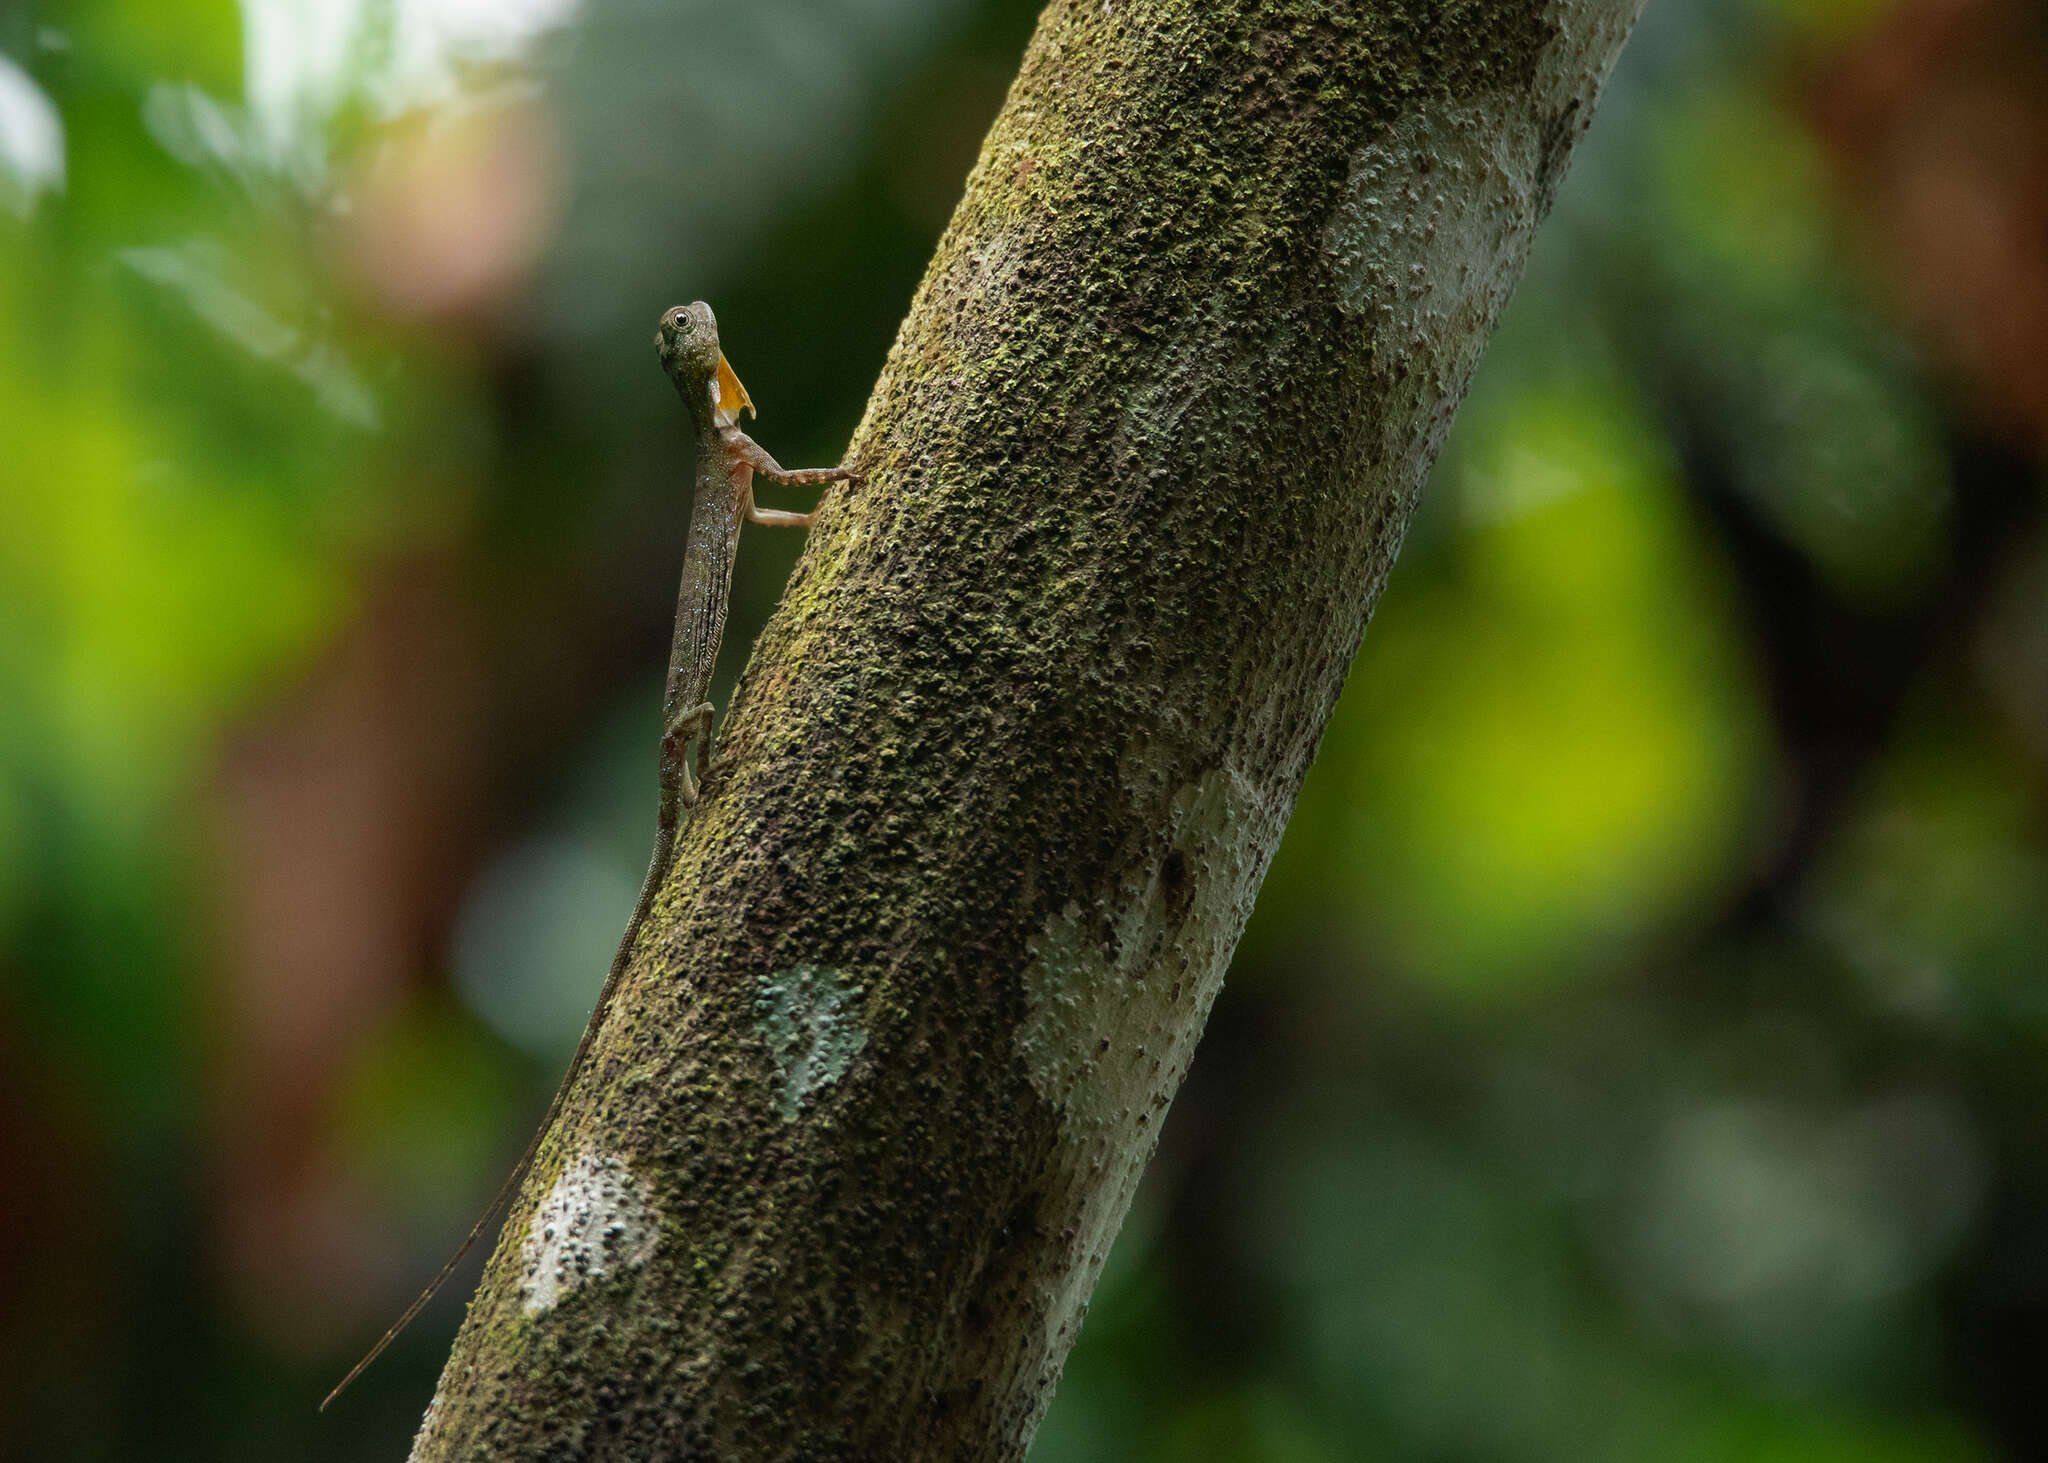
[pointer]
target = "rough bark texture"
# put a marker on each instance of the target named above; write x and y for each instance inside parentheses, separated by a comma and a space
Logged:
(1007, 768)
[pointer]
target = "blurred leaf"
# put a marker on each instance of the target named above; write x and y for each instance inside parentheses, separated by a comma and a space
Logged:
(196, 271)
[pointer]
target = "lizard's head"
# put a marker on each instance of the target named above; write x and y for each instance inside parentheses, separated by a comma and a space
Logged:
(687, 342)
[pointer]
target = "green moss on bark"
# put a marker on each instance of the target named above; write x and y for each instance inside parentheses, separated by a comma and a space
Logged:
(1009, 763)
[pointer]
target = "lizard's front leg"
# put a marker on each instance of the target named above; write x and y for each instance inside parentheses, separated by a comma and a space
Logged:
(754, 455)
(686, 730)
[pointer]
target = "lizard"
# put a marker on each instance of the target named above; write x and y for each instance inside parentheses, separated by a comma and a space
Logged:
(686, 339)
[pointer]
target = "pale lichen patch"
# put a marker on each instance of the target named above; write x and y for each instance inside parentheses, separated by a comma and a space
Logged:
(1441, 202)
(809, 1017)
(1108, 992)
(597, 1220)
(1431, 217)
(1116, 998)
(1429, 233)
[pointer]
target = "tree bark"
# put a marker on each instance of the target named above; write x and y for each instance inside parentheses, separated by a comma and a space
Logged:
(1008, 765)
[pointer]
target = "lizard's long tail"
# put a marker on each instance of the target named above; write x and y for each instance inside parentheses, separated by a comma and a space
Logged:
(657, 869)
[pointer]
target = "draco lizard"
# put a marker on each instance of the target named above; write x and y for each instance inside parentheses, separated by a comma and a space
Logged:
(727, 459)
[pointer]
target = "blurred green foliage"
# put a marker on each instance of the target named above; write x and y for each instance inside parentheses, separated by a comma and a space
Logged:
(1638, 1050)
(1573, 661)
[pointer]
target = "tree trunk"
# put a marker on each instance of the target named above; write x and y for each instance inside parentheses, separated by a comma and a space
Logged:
(1006, 770)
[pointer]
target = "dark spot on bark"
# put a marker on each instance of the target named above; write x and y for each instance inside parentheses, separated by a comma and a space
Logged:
(1175, 884)
(1560, 130)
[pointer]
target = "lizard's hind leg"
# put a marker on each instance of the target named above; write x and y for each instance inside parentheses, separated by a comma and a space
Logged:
(686, 730)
